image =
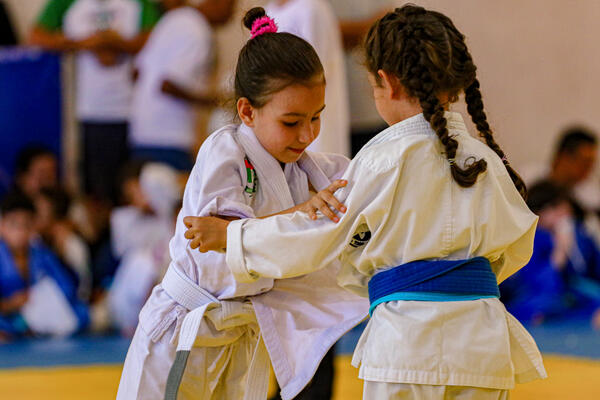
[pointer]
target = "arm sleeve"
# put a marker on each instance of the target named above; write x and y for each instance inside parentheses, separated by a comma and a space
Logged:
(51, 17)
(292, 245)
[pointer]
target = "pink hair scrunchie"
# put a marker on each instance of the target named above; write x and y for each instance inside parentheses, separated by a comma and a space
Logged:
(263, 25)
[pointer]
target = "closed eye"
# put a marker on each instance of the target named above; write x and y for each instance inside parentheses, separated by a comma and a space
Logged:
(290, 124)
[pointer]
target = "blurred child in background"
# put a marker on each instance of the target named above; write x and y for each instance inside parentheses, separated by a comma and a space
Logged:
(560, 278)
(36, 168)
(140, 239)
(36, 293)
(59, 233)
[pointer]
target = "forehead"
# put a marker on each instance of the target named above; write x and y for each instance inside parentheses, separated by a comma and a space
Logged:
(586, 150)
(16, 215)
(298, 98)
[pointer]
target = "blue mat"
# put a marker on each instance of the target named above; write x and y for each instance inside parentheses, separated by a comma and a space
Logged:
(84, 350)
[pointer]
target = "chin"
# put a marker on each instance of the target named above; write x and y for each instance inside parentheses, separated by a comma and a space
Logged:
(290, 159)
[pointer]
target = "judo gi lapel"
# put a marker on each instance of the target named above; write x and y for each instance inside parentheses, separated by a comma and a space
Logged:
(316, 175)
(269, 171)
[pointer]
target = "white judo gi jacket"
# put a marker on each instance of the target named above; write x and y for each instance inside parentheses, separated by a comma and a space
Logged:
(298, 319)
(402, 206)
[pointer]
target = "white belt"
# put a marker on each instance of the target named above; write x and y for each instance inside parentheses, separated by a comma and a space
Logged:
(196, 299)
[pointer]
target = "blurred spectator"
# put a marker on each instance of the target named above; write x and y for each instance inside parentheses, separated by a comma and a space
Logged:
(315, 21)
(36, 293)
(104, 34)
(36, 168)
(141, 232)
(575, 157)
(174, 72)
(538, 291)
(58, 232)
(7, 32)
(574, 160)
(562, 274)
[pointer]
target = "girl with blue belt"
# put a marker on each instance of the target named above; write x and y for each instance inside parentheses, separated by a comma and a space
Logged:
(435, 221)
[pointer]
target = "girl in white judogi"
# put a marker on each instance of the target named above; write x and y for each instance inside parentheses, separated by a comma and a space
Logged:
(435, 220)
(223, 330)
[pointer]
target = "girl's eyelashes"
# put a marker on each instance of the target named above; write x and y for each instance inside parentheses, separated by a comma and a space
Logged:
(290, 124)
(316, 118)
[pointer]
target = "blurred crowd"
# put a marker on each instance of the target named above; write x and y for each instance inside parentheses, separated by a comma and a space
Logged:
(58, 276)
(87, 259)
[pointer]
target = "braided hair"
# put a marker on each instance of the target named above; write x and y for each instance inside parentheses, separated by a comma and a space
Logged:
(429, 56)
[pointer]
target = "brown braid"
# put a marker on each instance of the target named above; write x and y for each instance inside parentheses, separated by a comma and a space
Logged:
(429, 56)
(475, 108)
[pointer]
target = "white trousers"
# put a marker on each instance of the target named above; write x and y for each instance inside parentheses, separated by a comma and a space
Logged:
(406, 391)
(212, 373)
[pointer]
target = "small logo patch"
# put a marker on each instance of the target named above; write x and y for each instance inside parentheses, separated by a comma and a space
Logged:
(251, 179)
(360, 239)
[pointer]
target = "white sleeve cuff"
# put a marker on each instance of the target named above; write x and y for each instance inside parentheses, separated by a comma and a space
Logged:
(235, 252)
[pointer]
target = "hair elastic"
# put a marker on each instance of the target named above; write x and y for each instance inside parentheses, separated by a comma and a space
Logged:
(263, 25)
(451, 161)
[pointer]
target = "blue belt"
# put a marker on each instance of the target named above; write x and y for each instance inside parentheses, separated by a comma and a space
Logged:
(443, 280)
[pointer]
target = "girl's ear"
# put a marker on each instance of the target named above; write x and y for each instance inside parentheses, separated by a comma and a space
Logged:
(245, 111)
(391, 84)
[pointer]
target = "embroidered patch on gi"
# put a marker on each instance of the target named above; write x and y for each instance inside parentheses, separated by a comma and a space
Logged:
(360, 239)
(251, 179)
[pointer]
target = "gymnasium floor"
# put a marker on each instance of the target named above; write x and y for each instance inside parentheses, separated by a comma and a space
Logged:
(89, 367)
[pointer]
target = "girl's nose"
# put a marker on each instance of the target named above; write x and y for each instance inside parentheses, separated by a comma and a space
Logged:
(307, 134)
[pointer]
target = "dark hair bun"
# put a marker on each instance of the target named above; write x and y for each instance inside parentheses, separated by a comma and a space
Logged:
(252, 15)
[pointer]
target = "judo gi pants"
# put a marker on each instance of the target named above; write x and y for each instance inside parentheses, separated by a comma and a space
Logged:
(406, 391)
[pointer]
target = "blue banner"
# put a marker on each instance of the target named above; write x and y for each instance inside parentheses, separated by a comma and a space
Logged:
(30, 105)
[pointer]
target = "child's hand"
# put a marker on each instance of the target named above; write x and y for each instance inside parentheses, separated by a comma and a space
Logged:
(206, 233)
(324, 201)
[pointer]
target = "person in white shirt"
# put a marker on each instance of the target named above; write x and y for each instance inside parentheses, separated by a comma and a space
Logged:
(199, 319)
(105, 35)
(315, 22)
(435, 221)
(173, 73)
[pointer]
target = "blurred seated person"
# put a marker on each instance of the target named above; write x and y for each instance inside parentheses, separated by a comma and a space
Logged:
(574, 161)
(58, 232)
(37, 295)
(141, 231)
(558, 278)
(36, 168)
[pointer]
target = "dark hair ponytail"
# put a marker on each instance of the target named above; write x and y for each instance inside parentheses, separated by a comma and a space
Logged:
(429, 55)
(272, 61)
